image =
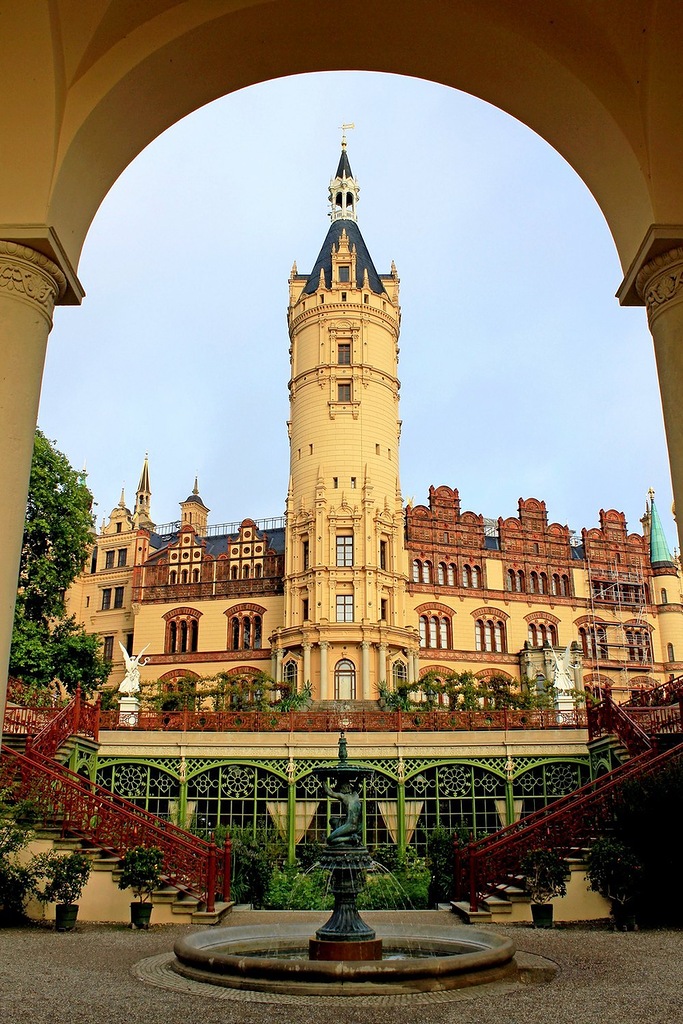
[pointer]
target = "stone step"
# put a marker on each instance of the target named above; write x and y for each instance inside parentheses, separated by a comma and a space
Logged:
(462, 909)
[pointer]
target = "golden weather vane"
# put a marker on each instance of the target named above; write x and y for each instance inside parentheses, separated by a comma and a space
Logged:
(344, 128)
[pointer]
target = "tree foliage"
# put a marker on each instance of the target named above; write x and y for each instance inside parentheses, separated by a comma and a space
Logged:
(46, 644)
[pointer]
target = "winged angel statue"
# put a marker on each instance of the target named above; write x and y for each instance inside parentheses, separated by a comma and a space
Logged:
(131, 682)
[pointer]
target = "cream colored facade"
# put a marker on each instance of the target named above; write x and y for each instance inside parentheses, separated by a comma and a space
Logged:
(352, 591)
(598, 81)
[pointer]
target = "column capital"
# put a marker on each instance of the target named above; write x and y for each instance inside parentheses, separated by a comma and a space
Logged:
(659, 240)
(660, 281)
(30, 277)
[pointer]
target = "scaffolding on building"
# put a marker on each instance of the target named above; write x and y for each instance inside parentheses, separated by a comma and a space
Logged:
(619, 648)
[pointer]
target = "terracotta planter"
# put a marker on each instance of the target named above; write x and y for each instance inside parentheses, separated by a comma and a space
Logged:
(542, 915)
(65, 916)
(140, 914)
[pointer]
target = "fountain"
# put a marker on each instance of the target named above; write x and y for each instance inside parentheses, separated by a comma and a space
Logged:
(345, 957)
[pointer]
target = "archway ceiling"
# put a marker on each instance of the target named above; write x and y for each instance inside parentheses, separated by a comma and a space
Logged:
(600, 82)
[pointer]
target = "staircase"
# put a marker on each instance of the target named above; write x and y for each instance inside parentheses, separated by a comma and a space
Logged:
(487, 873)
(97, 817)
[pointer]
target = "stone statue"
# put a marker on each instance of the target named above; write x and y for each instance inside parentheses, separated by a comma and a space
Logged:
(563, 679)
(349, 830)
(130, 685)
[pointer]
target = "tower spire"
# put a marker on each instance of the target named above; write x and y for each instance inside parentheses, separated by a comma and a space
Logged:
(659, 549)
(143, 498)
(344, 189)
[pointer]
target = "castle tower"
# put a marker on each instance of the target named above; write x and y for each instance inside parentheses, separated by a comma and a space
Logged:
(143, 498)
(193, 512)
(346, 627)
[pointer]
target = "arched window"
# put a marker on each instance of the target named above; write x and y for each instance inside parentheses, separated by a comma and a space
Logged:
(257, 632)
(173, 577)
(441, 574)
(183, 636)
(519, 581)
(417, 571)
(510, 579)
(344, 680)
(433, 631)
(235, 633)
(555, 584)
(665, 600)
(194, 635)
(195, 575)
(564, 586)
(542, 583)
(233, 572)
(450, 575)
(182, 632)
(489, 635)
(444, 639)
(466, 576)
(670, 654)
(552, 635)
(532, 635)
(184, 576)
(423, 631)
(475, 575)
(246, 633)
(290, 673)
(257, 571)
(399, 673)
(172, 644)
(533, 583)
(426, 572)
(245, 572)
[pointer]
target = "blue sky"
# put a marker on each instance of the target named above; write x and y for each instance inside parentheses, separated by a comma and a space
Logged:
(521, 375)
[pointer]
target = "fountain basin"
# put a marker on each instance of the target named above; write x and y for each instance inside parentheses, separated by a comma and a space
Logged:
(247, 958)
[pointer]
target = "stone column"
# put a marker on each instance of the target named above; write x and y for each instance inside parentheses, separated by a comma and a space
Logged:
(365, 669)
(307, 665)
(278, 665)
(660, 286)
(324, 681)
(30, 285)
(382, 664)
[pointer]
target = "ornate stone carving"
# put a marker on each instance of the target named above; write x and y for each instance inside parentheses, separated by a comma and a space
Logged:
(660, 281)
(31, 276)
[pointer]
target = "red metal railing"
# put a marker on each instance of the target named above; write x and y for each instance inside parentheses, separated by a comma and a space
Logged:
(565, 825)
(76, 718)
(22, 721)
(112, 823)
(608, 718)
(351, 721)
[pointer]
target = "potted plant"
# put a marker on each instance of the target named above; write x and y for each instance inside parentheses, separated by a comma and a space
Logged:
(613, 870)
(66, 876)
(141, 869)
(545, 874)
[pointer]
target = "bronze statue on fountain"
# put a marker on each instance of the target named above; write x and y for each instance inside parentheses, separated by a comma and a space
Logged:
(345, 936)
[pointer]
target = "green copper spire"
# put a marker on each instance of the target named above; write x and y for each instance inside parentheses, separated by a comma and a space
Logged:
(659, 549)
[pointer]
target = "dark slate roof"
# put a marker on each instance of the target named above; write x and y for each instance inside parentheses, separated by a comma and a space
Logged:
(344, 168)
(363, 258)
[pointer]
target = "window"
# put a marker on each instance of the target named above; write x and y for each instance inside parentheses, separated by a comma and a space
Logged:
(344, 607)
(304, 555)
(670, 654)
(344, 273)
(109, 560)
(289, 675)
(345, 549)
(304, 609)
(344, 354)
(345, 680)
(489, 635)
(470, 575)
(399, 673)
(665, 600)
(382, 554)
(353, 483)
(335, 482)
(383, 609)
(118, 527)
(450, 575)
(129, 643)
(93, 560)
(417, 570)
(173, 577)
(426, 572)
(108, 648)
(122, 557)
(441, 574)
(344, 392)
(118, 597)
(195, 575)
(106, 599)
(435, 632)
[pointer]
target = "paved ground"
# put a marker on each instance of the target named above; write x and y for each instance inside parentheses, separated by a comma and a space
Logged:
(88, 977)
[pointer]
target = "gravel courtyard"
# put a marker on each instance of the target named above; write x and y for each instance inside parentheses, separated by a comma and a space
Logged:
(91, 976)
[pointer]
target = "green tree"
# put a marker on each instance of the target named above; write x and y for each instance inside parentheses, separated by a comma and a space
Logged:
(47, 644)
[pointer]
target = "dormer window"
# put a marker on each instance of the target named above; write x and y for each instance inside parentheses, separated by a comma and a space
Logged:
(344, 273)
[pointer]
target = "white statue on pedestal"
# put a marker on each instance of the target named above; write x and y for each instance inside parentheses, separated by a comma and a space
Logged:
(130, 685)
(563, 681)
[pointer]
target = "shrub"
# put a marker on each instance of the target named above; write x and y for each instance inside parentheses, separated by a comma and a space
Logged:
(290, 889)
(545, 874)
(614, 871)
(141, 869)
(17, 881)
(255, 855)
(66, 874)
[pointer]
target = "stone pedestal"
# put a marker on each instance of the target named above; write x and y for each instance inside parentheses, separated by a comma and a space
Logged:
(129, 707)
